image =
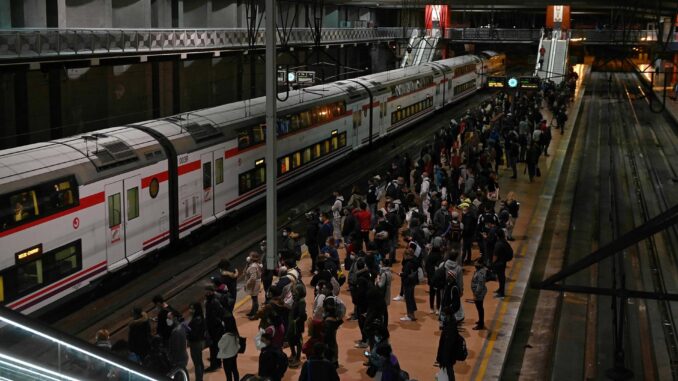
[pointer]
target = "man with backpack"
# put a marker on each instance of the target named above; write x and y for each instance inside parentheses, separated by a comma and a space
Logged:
(451, 348)
(503, 253)
(455, 234)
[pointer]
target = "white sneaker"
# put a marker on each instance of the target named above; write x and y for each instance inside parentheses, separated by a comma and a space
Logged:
(405, 318)
(398, 298)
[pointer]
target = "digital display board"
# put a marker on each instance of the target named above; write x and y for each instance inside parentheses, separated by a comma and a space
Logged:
(529, 83)
(496, 82)
(305, 76)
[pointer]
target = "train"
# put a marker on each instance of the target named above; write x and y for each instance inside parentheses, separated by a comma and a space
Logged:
(73, 210)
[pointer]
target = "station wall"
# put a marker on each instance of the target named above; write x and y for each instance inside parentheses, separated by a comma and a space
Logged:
(58, 101)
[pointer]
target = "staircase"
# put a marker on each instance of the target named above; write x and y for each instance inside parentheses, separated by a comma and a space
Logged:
(423, 47)
(555, 58)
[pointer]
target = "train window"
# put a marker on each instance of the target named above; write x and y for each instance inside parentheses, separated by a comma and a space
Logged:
(284, 165)
(154, 188)
(219, 170)
(259, 134)
(244, 138)
(326, 147)
(132, 203)
(316, 151)
(251, 179)
(342, 139)
(245, 182)
(47, 268)
(335, 143)
(114, 210)
(449, 84)
(62, 262)
(307, 155)
(296, 160)
(207, 175)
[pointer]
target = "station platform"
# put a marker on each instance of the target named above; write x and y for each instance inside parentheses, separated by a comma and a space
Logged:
(415, 343)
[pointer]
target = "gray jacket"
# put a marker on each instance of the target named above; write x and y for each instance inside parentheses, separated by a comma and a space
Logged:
(384, 283)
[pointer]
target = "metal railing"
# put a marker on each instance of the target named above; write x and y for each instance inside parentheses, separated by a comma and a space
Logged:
(48, 43)
(31, 43)
(33, 351)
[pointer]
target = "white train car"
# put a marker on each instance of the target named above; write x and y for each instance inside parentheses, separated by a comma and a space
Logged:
(72, 210)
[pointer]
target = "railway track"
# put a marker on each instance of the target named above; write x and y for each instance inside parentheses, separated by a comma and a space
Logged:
(625, 177)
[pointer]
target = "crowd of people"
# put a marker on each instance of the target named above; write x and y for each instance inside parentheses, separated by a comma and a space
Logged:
(427, 214)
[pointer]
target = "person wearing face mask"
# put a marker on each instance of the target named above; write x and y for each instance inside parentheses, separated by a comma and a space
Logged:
(253, 274)
(176, 349)
(162, 329)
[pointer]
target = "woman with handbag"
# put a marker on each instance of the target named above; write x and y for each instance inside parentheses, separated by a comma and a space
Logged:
(229, 346)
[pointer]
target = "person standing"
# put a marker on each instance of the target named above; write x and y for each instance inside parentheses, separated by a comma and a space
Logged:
(196, 338)
(163, 309)
(253, 274)
(214, 323)
(311, 238)
(272, 361)
(513, 207)
(139, 337)
(384, 280)
(176, 349)
(409, 279)
(447, 344)
(337, 207)
(229, 345)
(229, 277)
(479, 289)
(503, 253)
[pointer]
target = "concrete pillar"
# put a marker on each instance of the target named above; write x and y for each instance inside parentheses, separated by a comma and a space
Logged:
(161, 13)
(7, 119)
(28, 13)
(89, 14)
(331, 17)
(5, 20)
(55, 120)
(131, 14)
(21, 107)
(224, 14)
(195, 13)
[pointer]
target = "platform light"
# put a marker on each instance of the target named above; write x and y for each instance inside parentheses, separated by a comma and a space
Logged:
(513, 82)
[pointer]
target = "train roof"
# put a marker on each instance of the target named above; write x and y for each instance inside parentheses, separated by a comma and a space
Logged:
(90, 156)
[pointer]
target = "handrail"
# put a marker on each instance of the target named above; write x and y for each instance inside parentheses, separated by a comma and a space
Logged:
(20, 333)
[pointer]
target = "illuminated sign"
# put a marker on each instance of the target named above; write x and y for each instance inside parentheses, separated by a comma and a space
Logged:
(334, 132)
(259, 162)
(305, 76)
(512, 83)
(529, 83)
(291, 76)
(29, 254)
(496, 82)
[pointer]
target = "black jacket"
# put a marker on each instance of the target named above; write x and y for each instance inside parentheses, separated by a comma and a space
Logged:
(139, 337)
(318, 369)
(214, 317)
(196, 329)
(502, 252)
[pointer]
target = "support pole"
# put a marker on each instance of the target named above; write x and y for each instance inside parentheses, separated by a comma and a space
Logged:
(271, 162)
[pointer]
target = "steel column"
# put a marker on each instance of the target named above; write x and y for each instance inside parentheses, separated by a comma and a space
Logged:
(271, 162)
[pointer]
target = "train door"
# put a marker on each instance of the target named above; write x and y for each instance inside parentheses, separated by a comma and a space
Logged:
(123, 225)
(357, 122)
(220, 187)
(132, 216)
(207, 187)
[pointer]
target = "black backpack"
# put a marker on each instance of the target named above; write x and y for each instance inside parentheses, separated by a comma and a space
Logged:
(509, 252)
(439, 278)
(455, 231)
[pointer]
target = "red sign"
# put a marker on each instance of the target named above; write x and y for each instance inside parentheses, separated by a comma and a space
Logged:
(76, 223)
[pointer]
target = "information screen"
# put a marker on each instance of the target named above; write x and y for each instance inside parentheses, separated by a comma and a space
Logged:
(496, 82)
(529, 83)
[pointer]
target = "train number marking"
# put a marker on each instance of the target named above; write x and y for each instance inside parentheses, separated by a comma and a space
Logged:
(183, 160)
(76, 223)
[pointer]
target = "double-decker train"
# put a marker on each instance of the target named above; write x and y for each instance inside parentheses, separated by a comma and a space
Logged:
(75, 209)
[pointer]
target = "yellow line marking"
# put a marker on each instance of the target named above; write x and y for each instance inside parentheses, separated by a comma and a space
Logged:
(500, 321)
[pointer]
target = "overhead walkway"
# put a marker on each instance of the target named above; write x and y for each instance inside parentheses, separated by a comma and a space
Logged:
(31, 351)
(552, 65)
(423, 47)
